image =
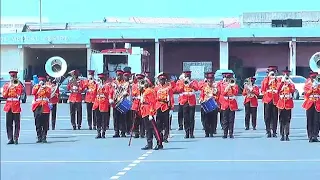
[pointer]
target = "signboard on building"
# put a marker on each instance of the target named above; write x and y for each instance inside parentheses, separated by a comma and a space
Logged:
(197, 68)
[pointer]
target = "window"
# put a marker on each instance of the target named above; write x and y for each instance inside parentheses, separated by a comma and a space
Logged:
(287, 23)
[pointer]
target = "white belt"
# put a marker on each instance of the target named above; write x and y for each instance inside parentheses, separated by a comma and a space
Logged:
(138, 97)
(229, 97)
(286, 96)
(187, 93)
(270, 90)
(314, 96)
(12, 99)
(101, 96)
(42, 99)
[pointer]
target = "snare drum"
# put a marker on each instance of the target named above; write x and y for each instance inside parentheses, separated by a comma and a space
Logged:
(209, 106)
(124, 106)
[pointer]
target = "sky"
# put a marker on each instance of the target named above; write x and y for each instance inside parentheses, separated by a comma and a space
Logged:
(95, 10)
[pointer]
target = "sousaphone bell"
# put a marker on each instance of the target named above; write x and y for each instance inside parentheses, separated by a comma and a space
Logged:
(314, 64)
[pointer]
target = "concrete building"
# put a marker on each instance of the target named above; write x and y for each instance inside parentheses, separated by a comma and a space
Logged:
(174, 44)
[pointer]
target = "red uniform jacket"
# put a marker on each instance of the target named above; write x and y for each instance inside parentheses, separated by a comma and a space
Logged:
(219, 85)
(55, 98)
(187, 92)
(285, 96)
(251, 97)
(312, 96)
(101, 101)
(270, 91)
(41, 98)
(148, 103)
(207, 92)
(164, 97)
(75, 91)
(90, 85)
(135, 97)
(201, 84)
(228, 99)
(12, 95)
(115, 85)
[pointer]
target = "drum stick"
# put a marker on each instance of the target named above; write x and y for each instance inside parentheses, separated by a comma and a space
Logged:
(132, 128)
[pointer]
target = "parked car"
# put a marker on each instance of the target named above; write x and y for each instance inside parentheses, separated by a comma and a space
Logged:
(23, 97)
(261, 72)
(299, 82)
(64, 93)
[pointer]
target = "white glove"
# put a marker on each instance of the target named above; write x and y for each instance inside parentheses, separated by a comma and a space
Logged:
(125, 93)
(271, 81)
(170, 112)
(110, 101)
(74, 87)
(150, 118)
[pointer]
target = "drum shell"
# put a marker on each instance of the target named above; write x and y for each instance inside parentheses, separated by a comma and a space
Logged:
(124, 106)
(209, 105)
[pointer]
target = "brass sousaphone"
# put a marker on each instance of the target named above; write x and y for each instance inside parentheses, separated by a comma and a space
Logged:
(56, 67)
(314, 64)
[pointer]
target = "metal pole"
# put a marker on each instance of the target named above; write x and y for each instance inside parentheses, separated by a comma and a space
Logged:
(40, 4)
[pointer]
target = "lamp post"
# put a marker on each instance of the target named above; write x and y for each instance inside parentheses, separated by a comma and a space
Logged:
(40, 14)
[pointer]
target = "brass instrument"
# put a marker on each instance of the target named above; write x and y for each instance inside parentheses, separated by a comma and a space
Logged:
(232, 81)
(187, 81)
(15, 82)
(120, 91)
(314, 64)
(56, 67)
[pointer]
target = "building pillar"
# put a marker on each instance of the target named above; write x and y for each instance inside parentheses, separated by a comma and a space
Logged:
(293, 56)
(157, 57)
(161, 57)
(21, 68)
(89, 58)
(224, 54)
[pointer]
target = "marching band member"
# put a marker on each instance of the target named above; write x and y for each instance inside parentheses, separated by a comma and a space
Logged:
(54, 100)
(312, 106)
(202, 113)
(229, 104)
(41, 109)
(137, 88)
(250, 93)
(164, 106)
(12, 91)
(147, 108)
(172, 85)
(285, 104)
(75, 86)
(188, 88)
(210, 90)
(270, 100)
(120, 91)
(219, 84)
(101, 105)
(180, 106)
(128, 117)
(90, 86)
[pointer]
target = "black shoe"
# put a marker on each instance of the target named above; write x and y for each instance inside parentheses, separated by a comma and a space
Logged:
(215, 132)
(98, 136)
(282, 138)
(247, 128)
(165, 141)
(103, 135)
(254, 128)
(310, 139)
(116, 135)
(142, 136)
(10, 141)
(187, 135)
(287, 138)
(16, 142)
(44, 140)
(274, 135)
(158, 147)
(39, 140)
(94, 128)
(225, 136)
(147, 147)
(192, 136)
(180, 128)
(315, 140)
(207, 135)
(53, 128)
(136, 136)
(211, 135)
(269, 135)
(231, 136)
(90, 128)
(79, 127)
(74, 128)
(123, 135)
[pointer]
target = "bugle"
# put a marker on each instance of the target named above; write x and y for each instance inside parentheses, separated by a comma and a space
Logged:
(232, 82)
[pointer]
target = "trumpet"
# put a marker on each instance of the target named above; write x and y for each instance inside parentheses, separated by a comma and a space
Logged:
(187, 81)
(232, 81)
(100, 83)
(15, 82)
(248, 84)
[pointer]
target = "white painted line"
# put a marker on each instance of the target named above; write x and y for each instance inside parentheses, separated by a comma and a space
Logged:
(132, 165)
(115, 177)
(127, 169)
(141, 158)
(121, 173)
(149, 152)
(145, 155)
(233, 160)
(136, 162)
